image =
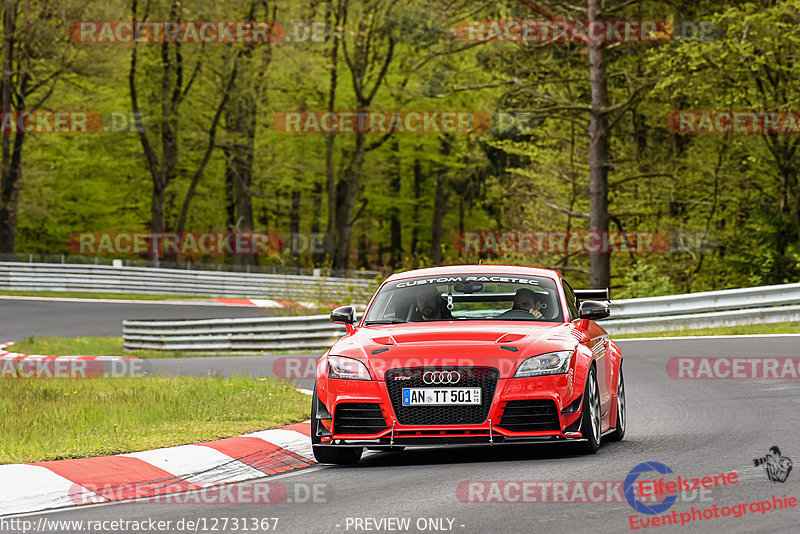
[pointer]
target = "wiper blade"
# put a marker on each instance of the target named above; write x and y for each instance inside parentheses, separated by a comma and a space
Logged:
(384, 321)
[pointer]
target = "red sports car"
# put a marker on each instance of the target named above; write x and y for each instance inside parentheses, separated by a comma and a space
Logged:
(469, 355)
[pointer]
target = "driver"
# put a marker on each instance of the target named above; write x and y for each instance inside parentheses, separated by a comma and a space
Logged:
(431, 305)
(525, 299)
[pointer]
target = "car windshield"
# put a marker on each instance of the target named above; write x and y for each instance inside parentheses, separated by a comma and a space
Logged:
(466, 297)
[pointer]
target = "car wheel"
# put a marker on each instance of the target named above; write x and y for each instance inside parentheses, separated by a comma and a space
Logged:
(590, 418)
(622, 416)
(326, 454)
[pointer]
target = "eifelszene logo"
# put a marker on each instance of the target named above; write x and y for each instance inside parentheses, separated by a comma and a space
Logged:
(630, 489)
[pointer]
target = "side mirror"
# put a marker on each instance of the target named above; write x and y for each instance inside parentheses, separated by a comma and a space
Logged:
(592, 309)
(344, 315)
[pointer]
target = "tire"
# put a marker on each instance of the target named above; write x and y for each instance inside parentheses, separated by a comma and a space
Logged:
(622, 415)
(327, 454)
(590, 417)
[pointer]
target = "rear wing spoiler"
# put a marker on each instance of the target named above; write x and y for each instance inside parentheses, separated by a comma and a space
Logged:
(592, 294)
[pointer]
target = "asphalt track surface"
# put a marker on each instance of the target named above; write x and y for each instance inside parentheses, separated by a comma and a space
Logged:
(696, 427)
(21, 318)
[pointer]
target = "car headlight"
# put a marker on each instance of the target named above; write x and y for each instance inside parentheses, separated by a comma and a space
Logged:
(552, 363)
(347, 368)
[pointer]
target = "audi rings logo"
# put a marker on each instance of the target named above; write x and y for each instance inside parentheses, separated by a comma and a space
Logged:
(441, 377)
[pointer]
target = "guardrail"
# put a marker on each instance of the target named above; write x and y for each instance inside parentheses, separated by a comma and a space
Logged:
(639, 325)
(708, 309)
(229, 336)
(729, 299)
(136, 261)
(758, 305)
(144, 280)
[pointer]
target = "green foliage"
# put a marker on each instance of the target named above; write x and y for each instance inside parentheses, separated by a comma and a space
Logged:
(644, 280)
(741, 191)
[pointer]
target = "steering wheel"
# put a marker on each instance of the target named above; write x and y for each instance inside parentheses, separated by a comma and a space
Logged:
(518, 314)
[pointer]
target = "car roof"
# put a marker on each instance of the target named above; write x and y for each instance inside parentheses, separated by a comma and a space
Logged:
(476, 269)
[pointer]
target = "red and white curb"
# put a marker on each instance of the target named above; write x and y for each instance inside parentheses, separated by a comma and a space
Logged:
(5, 355)
(45, 485)
(268, 303)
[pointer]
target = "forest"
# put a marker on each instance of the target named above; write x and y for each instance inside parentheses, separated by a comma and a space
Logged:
(415, 133)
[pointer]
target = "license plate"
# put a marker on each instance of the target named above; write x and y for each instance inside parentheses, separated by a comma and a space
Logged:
(441, 396)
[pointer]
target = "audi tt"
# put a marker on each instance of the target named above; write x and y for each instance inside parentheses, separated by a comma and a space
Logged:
(469, 355)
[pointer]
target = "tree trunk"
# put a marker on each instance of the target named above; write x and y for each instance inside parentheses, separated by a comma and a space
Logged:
(169, 134)
(198, 175)
(364, 65)
(294, 222)
(440, 198)
(240, 126)
(11, 171)
(162, 171)
(395, 226)
(363, 252)
(600, 265)
(439, 210)
(330, 139)
(317, 255)
(415, 227)
(9, 190)
(346, 192)
(230, 197)
(157, 208)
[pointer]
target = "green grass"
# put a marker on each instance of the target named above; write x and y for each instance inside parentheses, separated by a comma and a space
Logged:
(51, 419)
(777, 328)
(92, 295)
(93, 346)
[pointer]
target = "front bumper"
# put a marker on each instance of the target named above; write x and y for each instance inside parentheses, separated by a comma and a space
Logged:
(557, 389)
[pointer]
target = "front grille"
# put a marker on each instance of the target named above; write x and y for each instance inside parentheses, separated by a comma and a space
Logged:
(530, 415)
(483, 377)
(358, 418)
